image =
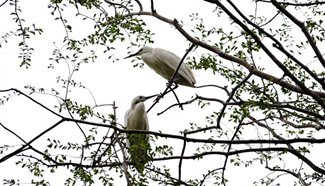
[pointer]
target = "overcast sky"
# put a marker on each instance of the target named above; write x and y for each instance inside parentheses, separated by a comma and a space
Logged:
(108, 82)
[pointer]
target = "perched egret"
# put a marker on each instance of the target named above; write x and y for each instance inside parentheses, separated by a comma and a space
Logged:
(165, 63)
(136, 119)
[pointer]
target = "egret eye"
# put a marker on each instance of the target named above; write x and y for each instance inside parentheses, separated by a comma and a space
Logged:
(141, 98)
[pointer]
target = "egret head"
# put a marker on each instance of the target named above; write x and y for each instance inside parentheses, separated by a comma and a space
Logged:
(143, 50)
(139, 99)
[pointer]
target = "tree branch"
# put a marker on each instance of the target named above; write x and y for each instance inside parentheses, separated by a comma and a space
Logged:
(278, 45)
(227, 56)
(231, 95)
(296, 4)
(241, 151)
(19, 150)
(300, 24)
(33, 100)
(301, 85)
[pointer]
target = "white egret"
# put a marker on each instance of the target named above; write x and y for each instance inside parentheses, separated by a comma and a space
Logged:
(164, 63)
(136, 119)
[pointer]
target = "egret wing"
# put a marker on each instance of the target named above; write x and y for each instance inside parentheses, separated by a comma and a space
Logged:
(138, 144)
(126, 118)
(172, 60)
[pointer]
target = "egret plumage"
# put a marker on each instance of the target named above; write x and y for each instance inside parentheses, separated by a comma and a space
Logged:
(165, 63)
(138, 144)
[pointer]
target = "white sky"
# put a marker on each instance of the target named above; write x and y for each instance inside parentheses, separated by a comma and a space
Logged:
(109, 82)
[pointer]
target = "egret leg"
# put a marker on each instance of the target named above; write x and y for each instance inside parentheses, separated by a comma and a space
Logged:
(176, 78)
(171, 89)
(161, 95)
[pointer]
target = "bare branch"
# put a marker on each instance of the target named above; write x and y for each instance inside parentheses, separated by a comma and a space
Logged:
(278, 44)
(19, 150)
(297, 175)
(270, 54)
(295, 4)
(241, 151)
(228, 150)
(177, 181)
(4, 3)
(231, 95)
(294, 125)
(197, 140)
(124, 163)
(181, 159)
(33, 100)
(140, 5)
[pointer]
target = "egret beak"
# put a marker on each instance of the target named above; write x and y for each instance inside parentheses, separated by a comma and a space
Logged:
(131, 55)
(148, 97)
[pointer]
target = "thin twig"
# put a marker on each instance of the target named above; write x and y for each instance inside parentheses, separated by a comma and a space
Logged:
(301, 25)
(223, 180)
(295, 4)
(33, 100)
(178, 104)
(231, 95)
(278, 44)
(181, 159)
(4, 3)
(254, 150)
(140, 5)
(152, 6)
(269, 53)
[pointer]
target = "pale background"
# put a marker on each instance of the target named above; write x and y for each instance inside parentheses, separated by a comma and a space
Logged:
(109, 82)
